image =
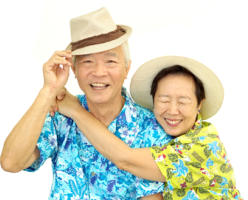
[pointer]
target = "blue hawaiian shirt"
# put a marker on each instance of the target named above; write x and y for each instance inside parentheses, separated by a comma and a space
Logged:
(81, 172)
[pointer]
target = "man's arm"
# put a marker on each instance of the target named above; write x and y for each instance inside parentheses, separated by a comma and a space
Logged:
(20, 150)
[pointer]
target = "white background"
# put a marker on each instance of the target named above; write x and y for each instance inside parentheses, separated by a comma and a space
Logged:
(211, 31)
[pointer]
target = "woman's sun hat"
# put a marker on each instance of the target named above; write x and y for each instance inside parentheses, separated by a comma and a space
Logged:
(96, 32)
(142, 80)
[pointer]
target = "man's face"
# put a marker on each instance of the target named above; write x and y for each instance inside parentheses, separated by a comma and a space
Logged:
(101, 75)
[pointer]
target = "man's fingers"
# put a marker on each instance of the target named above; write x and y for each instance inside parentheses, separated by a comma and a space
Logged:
(66, 53)
(61, 61)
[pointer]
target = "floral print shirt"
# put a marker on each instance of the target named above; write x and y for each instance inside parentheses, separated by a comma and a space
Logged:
(80, 172)
(195, 166)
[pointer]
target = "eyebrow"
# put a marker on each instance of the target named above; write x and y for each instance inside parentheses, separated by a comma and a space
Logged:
(180, 97)
(184, 97)
(111, 54)
(163, 95)
(83, 56)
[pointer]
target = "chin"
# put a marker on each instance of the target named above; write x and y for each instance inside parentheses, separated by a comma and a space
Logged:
(174, 133)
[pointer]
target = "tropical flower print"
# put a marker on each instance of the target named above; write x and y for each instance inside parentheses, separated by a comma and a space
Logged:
(181, 169)
(195, 166)
(190, 196)
(82, 173)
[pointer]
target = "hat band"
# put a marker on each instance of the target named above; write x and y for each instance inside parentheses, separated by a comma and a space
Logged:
(99, 39)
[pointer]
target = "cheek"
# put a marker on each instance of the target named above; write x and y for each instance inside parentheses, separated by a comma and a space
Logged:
(190, 114)
(159, 107)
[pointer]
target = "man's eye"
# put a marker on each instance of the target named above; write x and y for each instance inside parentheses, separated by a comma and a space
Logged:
(111, 61)
(87, 61)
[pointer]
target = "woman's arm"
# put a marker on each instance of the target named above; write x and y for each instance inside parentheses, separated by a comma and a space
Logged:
(136, 161)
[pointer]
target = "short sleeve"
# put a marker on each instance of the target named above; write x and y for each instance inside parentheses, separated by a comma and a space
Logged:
(154, 136)
(145, 187)
(184, 163)
(47, 143)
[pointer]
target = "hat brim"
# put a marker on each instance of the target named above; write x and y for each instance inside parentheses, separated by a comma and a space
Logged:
(103, 46)
(142, 79)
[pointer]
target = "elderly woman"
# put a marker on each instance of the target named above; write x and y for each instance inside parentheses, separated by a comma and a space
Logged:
(194, 164)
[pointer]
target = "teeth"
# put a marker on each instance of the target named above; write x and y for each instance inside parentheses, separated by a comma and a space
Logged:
(99, 84)
(172, 121)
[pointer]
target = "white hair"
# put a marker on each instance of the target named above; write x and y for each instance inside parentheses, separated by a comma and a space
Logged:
(125, 49)
(126, 52)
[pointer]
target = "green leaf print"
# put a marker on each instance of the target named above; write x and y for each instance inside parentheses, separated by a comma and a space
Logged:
(202, 190)
(225, 198)
(189, 178)
(195, 139)
(187, 147)
(195, 164)
(169, 173)
(168, 196)
(212, 135)
(218, 179)
(210, 198)
(230, 184)
(207, 151)
(192, 133)
(225, 168)
(173, 157)
(181, 192)
(157, 149)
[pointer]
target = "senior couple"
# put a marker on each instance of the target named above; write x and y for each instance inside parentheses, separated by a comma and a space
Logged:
(106, 145)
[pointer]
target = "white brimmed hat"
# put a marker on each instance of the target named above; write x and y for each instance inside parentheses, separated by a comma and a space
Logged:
(142, 80)
(96, 32)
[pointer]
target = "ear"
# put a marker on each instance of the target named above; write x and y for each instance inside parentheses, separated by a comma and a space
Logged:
(200, 104)
(73, 66)
(128, 68)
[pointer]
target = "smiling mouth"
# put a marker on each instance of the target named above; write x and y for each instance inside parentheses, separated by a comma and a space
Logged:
(99, 86)
(173, 122)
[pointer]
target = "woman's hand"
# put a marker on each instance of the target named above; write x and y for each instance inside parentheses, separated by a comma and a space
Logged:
(67, 104)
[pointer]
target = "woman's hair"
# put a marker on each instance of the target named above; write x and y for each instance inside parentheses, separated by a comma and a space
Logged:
(179, 70)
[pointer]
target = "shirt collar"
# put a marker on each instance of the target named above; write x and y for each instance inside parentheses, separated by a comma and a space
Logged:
(128, 105)
(197, 125)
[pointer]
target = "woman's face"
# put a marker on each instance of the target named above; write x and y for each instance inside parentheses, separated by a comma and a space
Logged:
(175, 104)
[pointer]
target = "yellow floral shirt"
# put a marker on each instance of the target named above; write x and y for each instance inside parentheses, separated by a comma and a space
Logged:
(195, 166)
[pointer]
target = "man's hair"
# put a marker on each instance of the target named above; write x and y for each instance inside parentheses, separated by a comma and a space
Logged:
(179, 70)
(126, 52)
(125, 49)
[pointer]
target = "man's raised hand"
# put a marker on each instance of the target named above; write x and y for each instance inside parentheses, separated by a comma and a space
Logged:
(56, 71)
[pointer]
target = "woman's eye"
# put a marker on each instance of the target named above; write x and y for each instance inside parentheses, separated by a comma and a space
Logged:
(163, 101)
(182, 103)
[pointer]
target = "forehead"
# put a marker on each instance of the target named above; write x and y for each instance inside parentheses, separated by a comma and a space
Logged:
(115, 52)
(176, 84)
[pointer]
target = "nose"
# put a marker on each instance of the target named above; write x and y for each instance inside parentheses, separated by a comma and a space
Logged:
(173, 108)
(99, 69)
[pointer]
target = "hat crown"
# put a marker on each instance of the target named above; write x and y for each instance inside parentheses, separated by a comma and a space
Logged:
(92, 24)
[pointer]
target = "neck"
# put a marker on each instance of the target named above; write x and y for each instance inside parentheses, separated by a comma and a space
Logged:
(106, 112)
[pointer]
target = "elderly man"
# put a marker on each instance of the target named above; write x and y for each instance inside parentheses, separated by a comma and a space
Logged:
(98, 55)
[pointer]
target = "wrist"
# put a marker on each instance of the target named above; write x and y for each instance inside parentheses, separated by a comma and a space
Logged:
(77, 112)
(48, 94)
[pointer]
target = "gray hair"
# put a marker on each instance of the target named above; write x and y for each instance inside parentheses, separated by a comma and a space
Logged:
(125, 49)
